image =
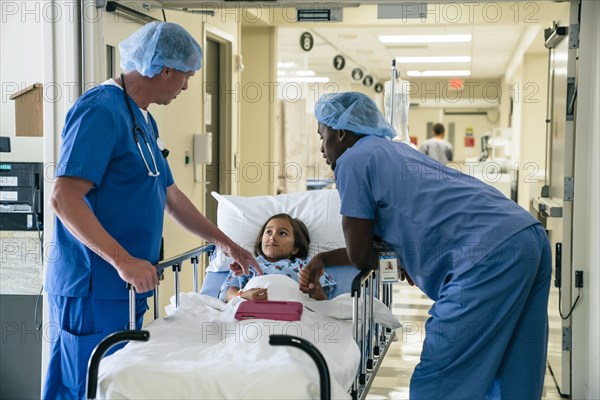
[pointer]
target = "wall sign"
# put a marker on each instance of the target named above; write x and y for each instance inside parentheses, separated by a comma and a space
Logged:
(306, 41)
(368, 81)
(339, 62)
(357, 74)
(378, 87)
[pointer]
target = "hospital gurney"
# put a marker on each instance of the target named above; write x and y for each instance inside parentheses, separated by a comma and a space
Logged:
(373, 338)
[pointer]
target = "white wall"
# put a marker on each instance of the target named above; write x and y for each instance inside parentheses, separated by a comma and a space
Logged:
(516, 80)
(527, 87)
(586, 235)
(259, 114)
(531, 101)
(21, 52)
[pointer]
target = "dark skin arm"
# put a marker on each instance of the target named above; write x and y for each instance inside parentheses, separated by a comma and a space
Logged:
(359, 252)
(359, 239)
(358, 233)
(309, 275)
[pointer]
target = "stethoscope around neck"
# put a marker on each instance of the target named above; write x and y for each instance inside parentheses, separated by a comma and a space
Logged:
(137, 132)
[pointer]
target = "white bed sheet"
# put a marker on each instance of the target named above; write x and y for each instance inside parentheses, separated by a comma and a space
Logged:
(200, 351)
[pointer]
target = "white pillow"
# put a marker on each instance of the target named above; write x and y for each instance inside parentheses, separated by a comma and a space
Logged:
(242, 217)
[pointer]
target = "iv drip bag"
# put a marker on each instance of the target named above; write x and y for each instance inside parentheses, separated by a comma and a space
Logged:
(396, 96)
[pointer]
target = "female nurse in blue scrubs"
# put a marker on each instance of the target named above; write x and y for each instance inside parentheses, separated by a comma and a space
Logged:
(112, 188)
(484, 260)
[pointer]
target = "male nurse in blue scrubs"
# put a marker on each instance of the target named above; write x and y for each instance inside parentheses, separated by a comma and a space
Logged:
(112, 188)
(484, 260)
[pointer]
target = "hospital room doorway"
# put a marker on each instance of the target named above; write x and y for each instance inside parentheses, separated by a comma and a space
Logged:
(217, 121)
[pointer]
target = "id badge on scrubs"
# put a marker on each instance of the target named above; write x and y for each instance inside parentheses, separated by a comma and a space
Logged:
(388, 267)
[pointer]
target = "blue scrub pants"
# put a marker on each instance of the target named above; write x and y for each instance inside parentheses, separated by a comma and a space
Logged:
(77, 325)
(487, 334)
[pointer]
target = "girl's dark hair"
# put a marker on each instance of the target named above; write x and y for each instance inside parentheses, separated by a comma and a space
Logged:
(301, 236)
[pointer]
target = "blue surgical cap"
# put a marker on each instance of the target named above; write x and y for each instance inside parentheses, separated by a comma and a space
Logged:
(353, 111)
(158, 45)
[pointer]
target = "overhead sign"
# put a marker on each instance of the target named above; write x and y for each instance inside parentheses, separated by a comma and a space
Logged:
(306, 41)
(330, 13)
(402, 11)
(456, 84)
(357, 74)
(339, 62)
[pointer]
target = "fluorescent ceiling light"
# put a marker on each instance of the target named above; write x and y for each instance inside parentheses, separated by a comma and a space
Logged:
(305, 73)
(304, 79)
(296, 73)
(424, 38)
(286, 65)
(438, 73)
(452, 59)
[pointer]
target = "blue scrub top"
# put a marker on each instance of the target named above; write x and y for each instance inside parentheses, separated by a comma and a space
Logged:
(439, 220)
(98, 146)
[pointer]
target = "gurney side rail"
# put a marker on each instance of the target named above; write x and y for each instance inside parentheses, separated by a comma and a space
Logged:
(372, 338)
(103, 347)
(313, 352)
(178, 260)
(175, 263)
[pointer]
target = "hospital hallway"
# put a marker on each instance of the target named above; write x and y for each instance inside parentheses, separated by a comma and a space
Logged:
(410, 307)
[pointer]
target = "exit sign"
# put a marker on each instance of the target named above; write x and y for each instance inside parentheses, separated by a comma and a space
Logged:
(456, 84)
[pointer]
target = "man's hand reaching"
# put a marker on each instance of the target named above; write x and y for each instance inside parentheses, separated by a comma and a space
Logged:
(243, 261)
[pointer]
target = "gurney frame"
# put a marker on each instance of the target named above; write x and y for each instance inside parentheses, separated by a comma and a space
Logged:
(372, 338)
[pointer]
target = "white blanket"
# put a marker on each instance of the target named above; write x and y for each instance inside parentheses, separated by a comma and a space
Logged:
(200, 351)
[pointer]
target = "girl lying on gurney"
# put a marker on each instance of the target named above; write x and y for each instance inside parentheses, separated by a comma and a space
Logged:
(282, 248)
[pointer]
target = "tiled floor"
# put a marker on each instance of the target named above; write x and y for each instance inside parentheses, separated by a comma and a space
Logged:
(393, 378)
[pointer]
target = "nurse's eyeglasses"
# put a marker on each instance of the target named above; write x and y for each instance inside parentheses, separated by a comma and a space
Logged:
(137, 132)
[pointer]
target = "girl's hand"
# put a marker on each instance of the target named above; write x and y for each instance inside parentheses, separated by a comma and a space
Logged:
(309, 275)
(255, 294)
